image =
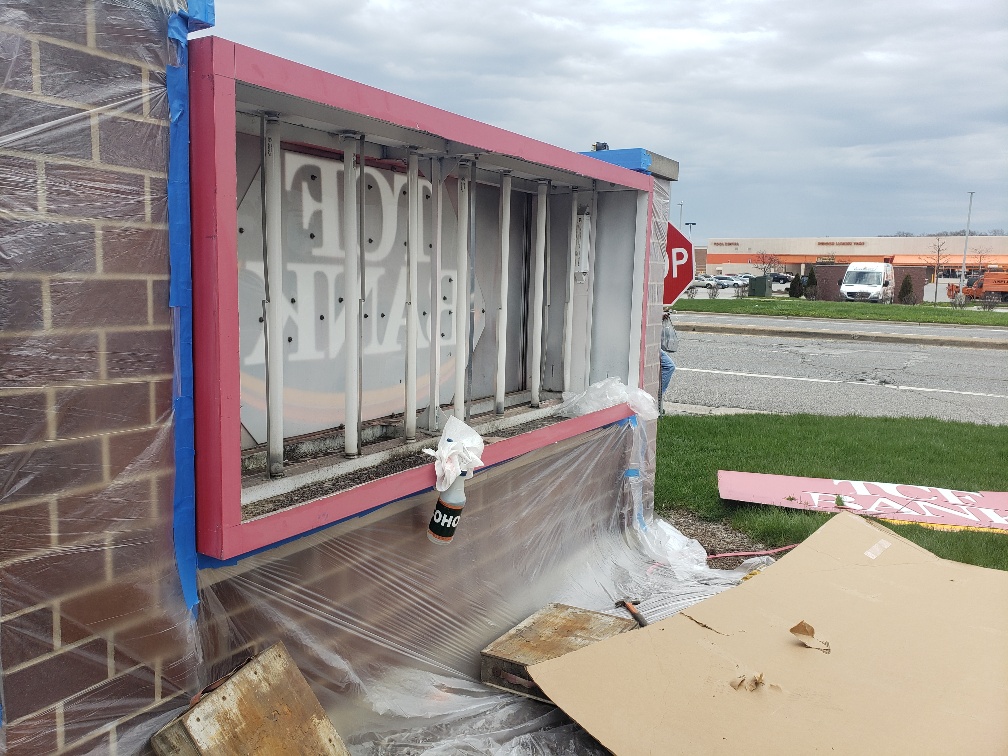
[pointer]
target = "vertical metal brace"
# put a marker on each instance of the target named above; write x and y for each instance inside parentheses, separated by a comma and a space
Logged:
(352, 298)
(568, 331)
(362, 270)
(432, 415)
(471, 295)
(412, 255)
(461, 286)
(592, 234)
(502, 310)
(537, 292)
(273, 317)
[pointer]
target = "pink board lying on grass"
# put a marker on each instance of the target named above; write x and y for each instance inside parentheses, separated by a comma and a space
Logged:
(895, 502)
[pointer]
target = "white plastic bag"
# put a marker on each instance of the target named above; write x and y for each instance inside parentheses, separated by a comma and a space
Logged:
(609, 393)
(459, 449)
(669, 337)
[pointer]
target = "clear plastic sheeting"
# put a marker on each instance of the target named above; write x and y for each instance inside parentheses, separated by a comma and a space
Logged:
(608, 393)
(388, 627)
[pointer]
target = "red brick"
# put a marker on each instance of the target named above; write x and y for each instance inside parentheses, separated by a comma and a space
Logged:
(82, 77)
(33, 736)
(135, 30)
(162, 312)
(141, 452)
(16, 63)
(90, 746)
(164, 397)
(162, 636)
(151, 549)
(159, 200)
(66, 131)
(51, 575)
(24, 419)
(22, 305)
(135, 250)
(98, 303)
(43, 360)
(116, 507)
(138, 353)
(24, 530)
(133, 144)
(18, 184)
(112, 604)
(46, 247)
(43, 684)
(88, 193)
(50, 469)
(86, 411)
(112, 700)
(26, 637)
(63, 19)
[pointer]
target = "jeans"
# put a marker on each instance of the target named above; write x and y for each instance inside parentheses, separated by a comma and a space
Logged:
(667, 368)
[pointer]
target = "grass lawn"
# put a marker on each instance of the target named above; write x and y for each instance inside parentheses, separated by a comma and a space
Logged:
(786, 306)
(895, 450)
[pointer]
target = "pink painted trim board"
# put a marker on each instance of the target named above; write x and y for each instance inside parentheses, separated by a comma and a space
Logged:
(896, 502)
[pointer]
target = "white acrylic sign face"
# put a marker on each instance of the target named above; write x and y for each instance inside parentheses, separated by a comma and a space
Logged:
(312, 292)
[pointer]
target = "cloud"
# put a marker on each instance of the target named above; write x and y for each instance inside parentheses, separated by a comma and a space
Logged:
(788, 118)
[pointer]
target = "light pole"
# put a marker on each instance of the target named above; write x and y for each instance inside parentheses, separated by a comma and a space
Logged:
(962, 273)
(680, 215)
(689, 231)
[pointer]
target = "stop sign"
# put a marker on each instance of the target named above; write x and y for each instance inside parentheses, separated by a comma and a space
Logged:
(681, 265)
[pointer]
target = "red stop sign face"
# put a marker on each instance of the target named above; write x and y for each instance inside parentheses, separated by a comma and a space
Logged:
(681, 265)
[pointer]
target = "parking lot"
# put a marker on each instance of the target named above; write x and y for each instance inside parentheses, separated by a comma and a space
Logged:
(838, 376)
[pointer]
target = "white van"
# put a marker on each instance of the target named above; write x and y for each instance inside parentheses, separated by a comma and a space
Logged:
(868, 282)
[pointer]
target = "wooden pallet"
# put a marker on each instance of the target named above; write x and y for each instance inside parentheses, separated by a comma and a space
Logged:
(553, 631)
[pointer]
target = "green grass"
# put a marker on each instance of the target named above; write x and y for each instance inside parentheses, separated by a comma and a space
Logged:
(896, 450)
(786, 306)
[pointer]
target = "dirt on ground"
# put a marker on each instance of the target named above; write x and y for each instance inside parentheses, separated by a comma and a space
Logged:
(716, 537)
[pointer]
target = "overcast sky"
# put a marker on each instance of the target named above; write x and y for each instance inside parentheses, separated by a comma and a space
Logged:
(788, 117)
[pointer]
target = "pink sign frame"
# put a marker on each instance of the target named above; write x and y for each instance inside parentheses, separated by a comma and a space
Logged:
(216, 65)
(896, 502)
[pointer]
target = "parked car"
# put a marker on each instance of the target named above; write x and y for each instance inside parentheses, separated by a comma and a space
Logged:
(724, 282)
(700, 282)
(780, 278)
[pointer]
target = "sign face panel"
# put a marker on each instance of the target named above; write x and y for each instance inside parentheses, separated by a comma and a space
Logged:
(897, 502)
(681, 265)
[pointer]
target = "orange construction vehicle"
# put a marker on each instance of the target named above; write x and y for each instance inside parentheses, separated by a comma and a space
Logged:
(991, 285)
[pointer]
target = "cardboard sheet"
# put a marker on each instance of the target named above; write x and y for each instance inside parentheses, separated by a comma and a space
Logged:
(856, 641)
(894, 502)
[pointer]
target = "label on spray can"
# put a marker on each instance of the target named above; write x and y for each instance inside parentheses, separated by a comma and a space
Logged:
(445, 520)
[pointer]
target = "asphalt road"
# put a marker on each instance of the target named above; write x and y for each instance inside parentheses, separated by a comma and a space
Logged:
(827, 375)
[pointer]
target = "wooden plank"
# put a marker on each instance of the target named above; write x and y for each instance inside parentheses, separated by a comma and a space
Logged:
(553, 631)
(265, 707)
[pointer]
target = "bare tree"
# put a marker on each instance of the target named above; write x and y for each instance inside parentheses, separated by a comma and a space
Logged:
(936, 258)
(767, 262)
(983, 257)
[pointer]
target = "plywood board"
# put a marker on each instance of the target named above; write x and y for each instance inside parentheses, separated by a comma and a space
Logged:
(900, 652)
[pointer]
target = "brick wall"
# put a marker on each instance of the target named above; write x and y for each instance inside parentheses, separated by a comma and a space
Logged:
(94, 636)
(373, 613)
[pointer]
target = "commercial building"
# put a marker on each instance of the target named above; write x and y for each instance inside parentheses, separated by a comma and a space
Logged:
(740, 255)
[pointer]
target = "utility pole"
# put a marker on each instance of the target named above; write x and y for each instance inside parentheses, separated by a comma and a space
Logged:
(680, 216)
(962, 273)
(689, 230)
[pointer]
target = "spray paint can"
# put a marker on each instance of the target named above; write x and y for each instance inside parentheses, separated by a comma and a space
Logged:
(448, 511)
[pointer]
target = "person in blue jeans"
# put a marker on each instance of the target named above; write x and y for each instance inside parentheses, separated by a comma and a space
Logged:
(669, 343)
(667, 368)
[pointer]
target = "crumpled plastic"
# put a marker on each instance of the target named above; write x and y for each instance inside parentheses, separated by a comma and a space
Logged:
(608, 393)
(458, 450)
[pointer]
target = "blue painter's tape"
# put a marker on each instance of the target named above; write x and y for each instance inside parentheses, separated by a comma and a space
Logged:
(180, 301)
(636, 158)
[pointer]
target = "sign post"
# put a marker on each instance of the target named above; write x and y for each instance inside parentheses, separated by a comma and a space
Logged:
(681, 265)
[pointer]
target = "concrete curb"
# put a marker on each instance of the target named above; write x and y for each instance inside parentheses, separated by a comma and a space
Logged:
(972, 342)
